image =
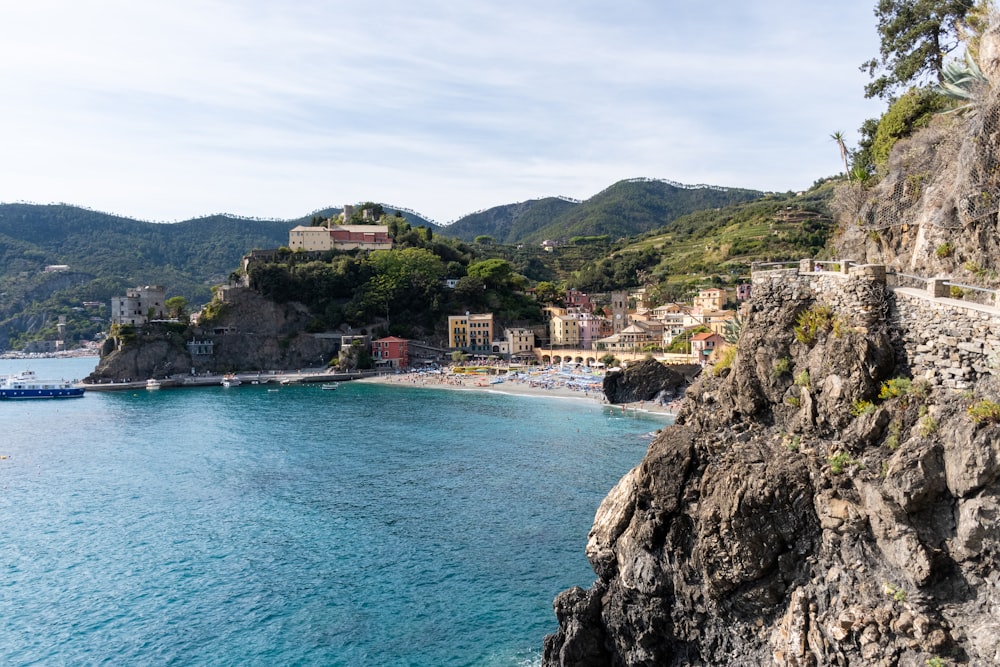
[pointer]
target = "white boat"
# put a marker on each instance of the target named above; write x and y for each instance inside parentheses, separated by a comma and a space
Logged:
(152, 384)
(26, 384)
(329, 386)
(231, 381)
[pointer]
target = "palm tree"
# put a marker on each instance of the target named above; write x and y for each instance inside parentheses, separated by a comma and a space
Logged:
(839, 138)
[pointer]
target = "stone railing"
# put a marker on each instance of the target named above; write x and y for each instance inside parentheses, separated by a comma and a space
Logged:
(945, 340)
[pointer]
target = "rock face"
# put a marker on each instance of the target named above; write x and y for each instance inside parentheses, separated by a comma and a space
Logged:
(648, 380)
(248, 333)
(793, 517)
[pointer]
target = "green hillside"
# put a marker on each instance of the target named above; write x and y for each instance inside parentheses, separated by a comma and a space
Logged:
(510, 223)
(627, 208)
(721, 242)
(107, 254)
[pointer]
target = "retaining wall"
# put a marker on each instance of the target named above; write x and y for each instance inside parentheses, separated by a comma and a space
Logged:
(944, 341)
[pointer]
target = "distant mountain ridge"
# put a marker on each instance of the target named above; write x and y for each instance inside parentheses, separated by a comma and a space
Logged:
(626, 208)
(105, 254)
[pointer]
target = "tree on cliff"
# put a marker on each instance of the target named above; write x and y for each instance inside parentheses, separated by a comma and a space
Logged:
(177, 307)
(915, 38)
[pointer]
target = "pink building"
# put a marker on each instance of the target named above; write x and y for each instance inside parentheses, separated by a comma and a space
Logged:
(576, 299)
(704, 344)
(391, 352)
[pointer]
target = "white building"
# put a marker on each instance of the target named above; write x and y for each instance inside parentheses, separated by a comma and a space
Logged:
(139, 305)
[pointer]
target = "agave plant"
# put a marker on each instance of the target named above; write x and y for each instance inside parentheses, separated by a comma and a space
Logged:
(963, 82)
(731, 332)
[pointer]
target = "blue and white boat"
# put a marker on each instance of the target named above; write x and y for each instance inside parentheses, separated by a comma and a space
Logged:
(26, 385)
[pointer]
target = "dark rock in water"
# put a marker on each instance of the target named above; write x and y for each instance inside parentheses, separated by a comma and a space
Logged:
(648, 380)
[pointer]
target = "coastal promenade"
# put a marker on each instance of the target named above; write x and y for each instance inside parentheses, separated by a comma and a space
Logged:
(213, 380)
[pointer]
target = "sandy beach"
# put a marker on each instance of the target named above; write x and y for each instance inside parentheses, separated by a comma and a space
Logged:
(549, 383)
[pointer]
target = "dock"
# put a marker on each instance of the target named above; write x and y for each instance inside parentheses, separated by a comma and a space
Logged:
(248, 378)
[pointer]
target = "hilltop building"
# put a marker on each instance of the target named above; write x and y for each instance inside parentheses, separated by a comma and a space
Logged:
(340, 237)
(139, 305)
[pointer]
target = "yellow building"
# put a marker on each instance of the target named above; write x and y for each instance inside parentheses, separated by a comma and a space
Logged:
(472, 332)
(564, 331)
(711, 298)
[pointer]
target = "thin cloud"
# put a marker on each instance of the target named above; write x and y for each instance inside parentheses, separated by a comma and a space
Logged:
(169, 111)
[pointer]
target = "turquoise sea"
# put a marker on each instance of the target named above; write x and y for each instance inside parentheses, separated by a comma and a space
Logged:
(373, 525)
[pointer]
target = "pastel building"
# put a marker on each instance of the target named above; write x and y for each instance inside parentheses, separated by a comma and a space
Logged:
(564, 331)
(516, 343)
(704, 344)
(711, 298)
(391, 352)
(472, 332)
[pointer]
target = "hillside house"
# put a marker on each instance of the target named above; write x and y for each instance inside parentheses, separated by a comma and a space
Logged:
(577, 299)
(712, 298)
(704, 344)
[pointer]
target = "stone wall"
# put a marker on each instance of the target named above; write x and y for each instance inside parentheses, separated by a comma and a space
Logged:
(942, 340)
(946, 342)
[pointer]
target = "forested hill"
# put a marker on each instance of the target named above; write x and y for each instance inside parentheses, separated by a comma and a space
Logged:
(627, 208)
(190, 255)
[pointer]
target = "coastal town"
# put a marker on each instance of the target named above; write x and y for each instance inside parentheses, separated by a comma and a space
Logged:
(591, 330)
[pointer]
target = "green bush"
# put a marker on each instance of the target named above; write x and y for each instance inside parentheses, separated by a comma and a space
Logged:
(725, 360)
(909, 113)
(811, 322)
(985, 412)
(781, 366)
(861, 407)
(894, 388)
(840, 461)
(944, 250)
(802, 379)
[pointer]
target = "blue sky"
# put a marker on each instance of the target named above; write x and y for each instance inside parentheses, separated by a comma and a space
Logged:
(168, 111)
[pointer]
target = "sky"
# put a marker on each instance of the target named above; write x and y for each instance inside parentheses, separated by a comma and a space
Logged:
(167, 111)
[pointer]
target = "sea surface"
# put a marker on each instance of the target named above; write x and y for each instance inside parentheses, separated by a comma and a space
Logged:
(372, 525)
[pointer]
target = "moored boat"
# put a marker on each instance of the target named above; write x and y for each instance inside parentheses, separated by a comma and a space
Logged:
(329, 386)
(26, 385)
(231, 381)
(152, 384)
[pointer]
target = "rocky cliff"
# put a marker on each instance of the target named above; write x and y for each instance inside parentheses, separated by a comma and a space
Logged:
(832, 498)
(814, 505)
(247, 332)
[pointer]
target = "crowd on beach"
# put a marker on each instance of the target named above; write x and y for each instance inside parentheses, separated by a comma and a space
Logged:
(548, 380)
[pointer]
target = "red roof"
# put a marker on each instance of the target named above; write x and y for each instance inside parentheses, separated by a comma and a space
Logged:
(705, 335)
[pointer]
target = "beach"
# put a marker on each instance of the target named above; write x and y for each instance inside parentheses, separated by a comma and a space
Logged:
(549, 383)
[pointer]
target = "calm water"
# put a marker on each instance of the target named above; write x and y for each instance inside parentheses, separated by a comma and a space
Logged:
(368, 526)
